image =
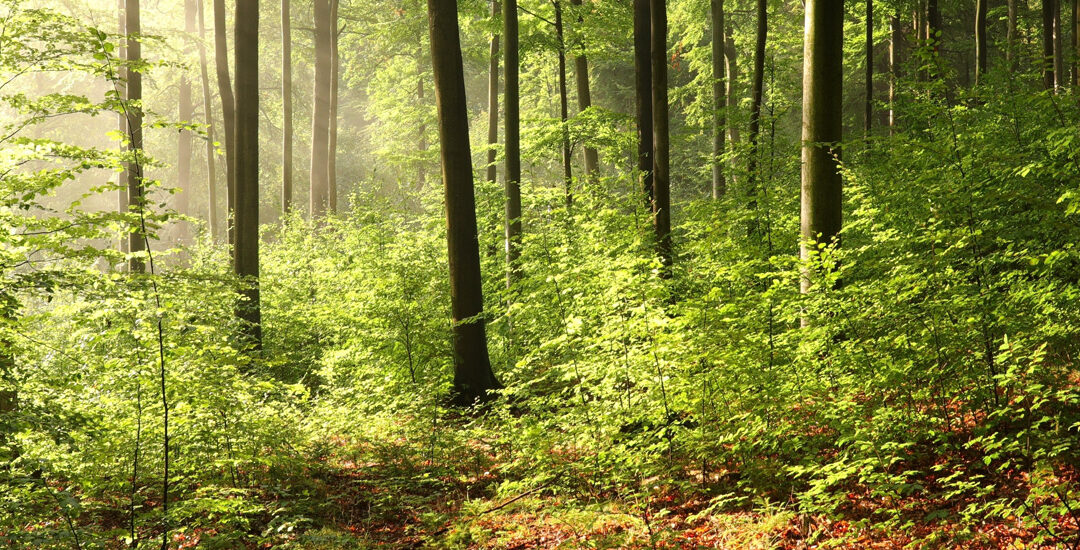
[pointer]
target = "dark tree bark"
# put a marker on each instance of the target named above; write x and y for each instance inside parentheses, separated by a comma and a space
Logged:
(661, 174)
(187, 115)
(981, 44)
(568, 173)
(1059, 52)
(1010, 37)
(513, 141)
(246, 257)
(134, 111)
(822, 127)
(286, 109)
(719, 183)
(584, 94)
(493, 100)
(228, 115)
(643, 89)
(757, 90)
(1049, 78)
(933, 24)
(1075, 24)
(320, 118)
(213, 225)
(332, 118)
(473, 377)
(868, 115)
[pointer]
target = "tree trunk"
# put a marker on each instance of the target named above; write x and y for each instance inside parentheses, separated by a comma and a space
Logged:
(184, 140)
(1059, 57)
(584, 94)
(213, 225)
(822, 127)
(868, 115)
(1010, 37)
(1076, 44)
(286, 109)
(320, 118)
(332, 119)
(513, 139)
(568, 174)
(731, 56)
(756, 91)
(661, 175)
(246, 257)
(133, 97)
(1048, 44)
(421, 133)
(933, 24)
(719, 184)
(980, 40)
(473, 377)
(643, 88)
(122, 203)
(228, 115)
(493, 101)
(895, 43)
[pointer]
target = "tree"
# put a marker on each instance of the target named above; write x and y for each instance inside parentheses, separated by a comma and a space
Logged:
(868, 105)
(1049, 78)
(980, 39)
(661, 175)
(1059, 53)
(822, 127)
(757, 91)
(228, 114)
(719, 185)
(560, 40)
(1010, 37)
(512, 100)
(187, 113)
(133, 109)
(332, 122)
(493, 100)
(286, 108)
(121, 122)
(473, 377)
(732, 64)
(208, 117)
(320, 117)
(643, 95)
(246, 257)
(584, 95)
(896, 38)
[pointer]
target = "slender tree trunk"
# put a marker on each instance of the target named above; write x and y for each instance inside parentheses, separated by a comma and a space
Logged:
(1049, 78)
(513, 140)
(1010, 37)
(122, 203)
(332, 119)
(757, 91)
(584, 94)
(286, 108)
(719, 184)
(661, 174)
(981, 43)
(473, 377)
(246, 257)
(187, 115)
(1076, 44)
(868, 115)
(568, 173)
(320, 118)
(895, 43)
(493, 100)
(731, 56)
(208, 116)
(933, 24)
(643, 88)
(823, 72)
(134, 170)
(1059, 57)
(228, 114)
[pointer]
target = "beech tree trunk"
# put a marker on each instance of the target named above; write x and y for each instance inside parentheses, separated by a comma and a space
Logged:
(228, 115)
(643, 89)
(756, 91)
(493, 100)
(213, 224)
(719, 184)
(1049, 79)
(513, 139)
(822, 126)
(731, 56)
(584, 94)
(1059, 52)
(332, 118)
(981, 43)
(246, 257)
(661, 175)
(868, 107)
(134, 170)
(1076, 44)
(286, 109)
(568, 173)
(473, 377)
(122, 122)
(895, 43)
(320, 118)
(187, 115)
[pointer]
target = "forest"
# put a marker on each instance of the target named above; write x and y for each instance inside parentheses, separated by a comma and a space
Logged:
(516, 274)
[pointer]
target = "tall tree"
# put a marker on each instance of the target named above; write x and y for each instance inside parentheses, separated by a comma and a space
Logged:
(822, 124)
(719, 184)
(332, 122)
(473, 377)
(286, 108)
(228, 114)
(320, 117)
(1049, 78)
(731, 55)
(134, 111)
(493, 100)
(1010, 36)
(933, 24)
(568, 173)
(246, 257)
(896, 40)
(1059, 52)
(512, 99)
(122, 122)
(584, 94)
(643, 95)
(187, 114)
(757, 90)
(981, 43)
(213, 224)
(661, 174)
(1076, 43)
(868, 106)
